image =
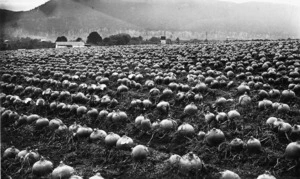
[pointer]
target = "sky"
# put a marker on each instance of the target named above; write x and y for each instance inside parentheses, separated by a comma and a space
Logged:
(20, 5)
(25, 5)
(291, 2)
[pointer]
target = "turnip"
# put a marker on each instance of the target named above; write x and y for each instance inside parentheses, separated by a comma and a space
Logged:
(40, 102)
(174, 160)
(42, 167)
(154, 92)
(73, 128)
(287, 95)
(138, 120)
(292, 150)
(214, 137)
(209, 117)
(124, 142)
(155, 125)
(145, 124)
(139, 152)
(221, 101)
(221, 117)
(98, 134)
(263, 94)
(227, 174)
(243, 88)
(233, 114)
(81, 110)
(62, 171)
(244, 100)
(190, 162)
(96, 176)
(41, 123)
(119, 116)
(191, 109)
(105, 100)
(295, 133)
(22, 120)
(198, 97)
(266, 175)
(202, 87)
(23, 153)
(275, 105)
(84, 131)
(31, 157)
(32, 118)
(277, 123)
(103, 114)
(167, 93)
(61, 129)
(283, 108)
(167, 124)
(75, 177)
(147, 103)
(253, 145)
(111, 139)
(274, 93)
(237, 144)
(186, 129)
(264, 104)
(122, 88)
(201, 135)
(271, 120)
(163, 106)
(55, 123)
(93, 114)
(10, 152)
(284, 127)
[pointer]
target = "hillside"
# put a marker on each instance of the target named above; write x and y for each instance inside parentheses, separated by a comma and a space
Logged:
(186, 19)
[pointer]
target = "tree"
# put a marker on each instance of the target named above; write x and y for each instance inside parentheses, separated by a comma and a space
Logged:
(155, 40)
(126, 38)
(106, 41)
(94, 38)
(169, 41)
(24, 43)
(136, 40)
(79, 39)
(61, 39)
(177, 40)
(141, 38)
(119, 39)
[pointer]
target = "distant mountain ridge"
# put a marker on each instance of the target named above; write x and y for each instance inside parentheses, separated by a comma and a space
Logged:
(178, 18)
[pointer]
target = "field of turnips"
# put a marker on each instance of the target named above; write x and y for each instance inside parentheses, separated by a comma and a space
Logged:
(217, 110)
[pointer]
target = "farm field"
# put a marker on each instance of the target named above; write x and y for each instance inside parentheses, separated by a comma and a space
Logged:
(218, 106)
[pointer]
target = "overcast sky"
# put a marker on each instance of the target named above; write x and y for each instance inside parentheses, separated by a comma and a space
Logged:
(25, 5)
(20, 5)
(292, 2)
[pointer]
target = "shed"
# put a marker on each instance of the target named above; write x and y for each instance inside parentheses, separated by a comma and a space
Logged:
(163, 40)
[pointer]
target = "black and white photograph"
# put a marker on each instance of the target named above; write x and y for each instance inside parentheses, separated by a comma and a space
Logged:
(150, 89)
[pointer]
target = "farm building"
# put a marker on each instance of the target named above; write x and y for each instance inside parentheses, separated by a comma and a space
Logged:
(69, 44)
(163, 40)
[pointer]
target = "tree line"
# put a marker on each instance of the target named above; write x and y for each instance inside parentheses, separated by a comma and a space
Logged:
(24, 43)
(94, 38)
